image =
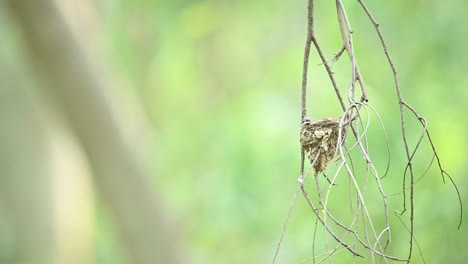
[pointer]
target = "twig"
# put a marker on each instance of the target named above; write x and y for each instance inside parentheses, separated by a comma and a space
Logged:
(346, 33)
(301, 181)
(416, 242)
(310, 28)
(403, 125)
(362, 226)
(404, 105)
(315, 210)
(442, 171)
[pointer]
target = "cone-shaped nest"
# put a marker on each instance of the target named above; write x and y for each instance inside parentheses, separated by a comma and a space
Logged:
(321, 135)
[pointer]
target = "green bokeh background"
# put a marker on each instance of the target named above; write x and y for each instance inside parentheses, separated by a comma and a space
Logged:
(218, 85)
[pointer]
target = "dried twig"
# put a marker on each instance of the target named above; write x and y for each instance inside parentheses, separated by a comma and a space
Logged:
(322, 141)
(404, 105)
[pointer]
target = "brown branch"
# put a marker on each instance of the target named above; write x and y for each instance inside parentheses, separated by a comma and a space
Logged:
(409, 154)
(316, 212)
(310, 29)
(352, 118)
(403, 124)
(301, 180)
(329, 71)
(346, 33)
(436, 155)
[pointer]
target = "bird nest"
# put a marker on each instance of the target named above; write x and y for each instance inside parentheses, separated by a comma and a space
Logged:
(321, 136)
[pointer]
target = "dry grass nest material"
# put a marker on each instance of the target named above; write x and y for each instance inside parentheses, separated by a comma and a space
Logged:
(321, 136)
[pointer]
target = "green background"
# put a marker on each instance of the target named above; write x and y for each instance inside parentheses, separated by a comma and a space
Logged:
(210, 94)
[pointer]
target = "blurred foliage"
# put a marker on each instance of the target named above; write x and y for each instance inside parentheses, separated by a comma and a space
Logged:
(219, 83)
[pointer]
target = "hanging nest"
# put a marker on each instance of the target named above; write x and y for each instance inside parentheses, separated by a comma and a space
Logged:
(321, 135)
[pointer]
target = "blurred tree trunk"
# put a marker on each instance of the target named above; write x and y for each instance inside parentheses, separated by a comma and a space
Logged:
(26, 210)
(80, 94)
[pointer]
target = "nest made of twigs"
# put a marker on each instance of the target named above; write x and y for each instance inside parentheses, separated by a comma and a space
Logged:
(321, 136)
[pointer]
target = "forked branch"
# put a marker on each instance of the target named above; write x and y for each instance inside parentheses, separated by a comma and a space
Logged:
(324, 142)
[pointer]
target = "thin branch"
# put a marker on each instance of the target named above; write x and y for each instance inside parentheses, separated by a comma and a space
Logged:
(442, 171)
(416, 242)
(301, 180)
(316, 212)
(403, 105)
(310, 28)
(329, 71)
(346, 33)
(403, 124)
(387, 143)
(362, 224)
